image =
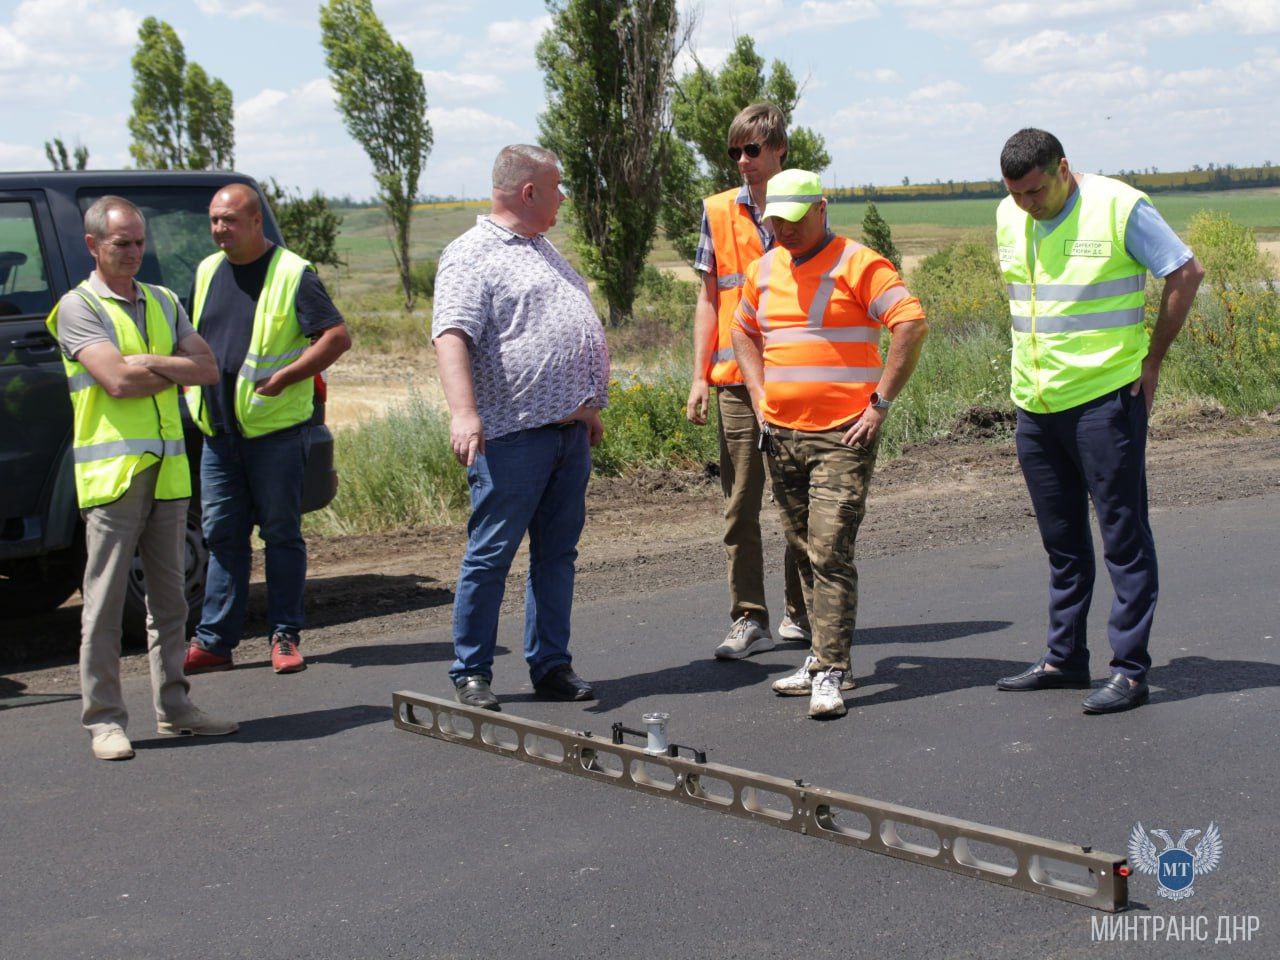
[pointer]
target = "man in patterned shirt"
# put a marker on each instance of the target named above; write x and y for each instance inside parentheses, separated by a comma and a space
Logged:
(525, 373)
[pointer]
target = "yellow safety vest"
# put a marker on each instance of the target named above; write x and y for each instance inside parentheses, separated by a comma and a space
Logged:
(1076, 298)
(113, 439)
(276, 342)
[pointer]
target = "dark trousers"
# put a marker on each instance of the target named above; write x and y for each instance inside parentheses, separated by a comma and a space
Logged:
(1094, 451)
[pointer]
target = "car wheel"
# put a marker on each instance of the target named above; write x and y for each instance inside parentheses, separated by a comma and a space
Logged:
(40, 584)
(195, 566)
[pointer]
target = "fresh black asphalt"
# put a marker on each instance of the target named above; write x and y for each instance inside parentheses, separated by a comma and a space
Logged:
(320, 831)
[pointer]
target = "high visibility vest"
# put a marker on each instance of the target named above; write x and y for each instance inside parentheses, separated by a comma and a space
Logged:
(276, 342)
(1076, 298)
(821, 333)
(114, 439)
(736, 241)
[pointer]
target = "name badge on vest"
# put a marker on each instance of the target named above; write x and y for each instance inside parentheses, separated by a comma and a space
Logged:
(1087, 248)
(1006, 254)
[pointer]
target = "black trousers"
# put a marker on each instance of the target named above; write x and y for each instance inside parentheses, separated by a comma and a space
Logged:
(1094, 451)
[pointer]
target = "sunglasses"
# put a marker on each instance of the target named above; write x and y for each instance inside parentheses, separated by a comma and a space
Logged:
(752, 150)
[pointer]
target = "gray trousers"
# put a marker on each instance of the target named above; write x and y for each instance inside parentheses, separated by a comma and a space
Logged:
(113, 532)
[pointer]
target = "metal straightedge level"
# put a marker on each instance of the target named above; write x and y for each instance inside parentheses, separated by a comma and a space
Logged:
(1061, 870)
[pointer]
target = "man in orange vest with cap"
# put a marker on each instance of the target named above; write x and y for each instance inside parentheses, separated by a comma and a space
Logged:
(734, 235)
(807, 339)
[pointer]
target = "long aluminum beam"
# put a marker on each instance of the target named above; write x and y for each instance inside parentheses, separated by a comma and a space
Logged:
(1062, 870)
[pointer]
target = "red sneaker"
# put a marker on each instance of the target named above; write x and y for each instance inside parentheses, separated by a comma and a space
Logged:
(200, 660)
(285, 657)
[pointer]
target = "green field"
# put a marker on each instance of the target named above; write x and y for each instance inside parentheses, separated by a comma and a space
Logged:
(922, 226)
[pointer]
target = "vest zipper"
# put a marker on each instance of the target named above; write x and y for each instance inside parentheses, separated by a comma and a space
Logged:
(1035, 346)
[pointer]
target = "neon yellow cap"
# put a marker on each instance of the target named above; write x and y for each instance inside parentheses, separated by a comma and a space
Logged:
(790, 194)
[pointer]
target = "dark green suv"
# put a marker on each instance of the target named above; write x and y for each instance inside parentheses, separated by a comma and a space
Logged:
(42, 256)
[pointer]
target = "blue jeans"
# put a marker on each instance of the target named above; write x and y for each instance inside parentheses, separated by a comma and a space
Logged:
(1094, 451)
(245, 482)
(536, 481)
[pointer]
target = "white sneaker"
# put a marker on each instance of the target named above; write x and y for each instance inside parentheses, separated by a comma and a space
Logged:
(745, 638)
(196, 723)
(825, 699)
(112, 744)
(800, 683)
(788, 629)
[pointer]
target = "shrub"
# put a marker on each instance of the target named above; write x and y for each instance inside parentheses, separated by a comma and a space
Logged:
(422, 277)
(960, 286)
(1229, 349)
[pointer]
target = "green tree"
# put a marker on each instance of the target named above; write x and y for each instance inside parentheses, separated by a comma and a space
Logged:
(608, 71)
(704, 103)
(877, 236)
(309, 225)
(56, 151)
(182, 118)
(383, 102)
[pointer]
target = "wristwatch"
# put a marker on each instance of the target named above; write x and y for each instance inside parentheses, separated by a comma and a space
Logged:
(880, 403)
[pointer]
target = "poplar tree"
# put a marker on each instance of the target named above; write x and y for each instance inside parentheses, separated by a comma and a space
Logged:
(877, 236)
(704, 103)
(608, 68)
(59, 159)
(383, 103)
(182, 118)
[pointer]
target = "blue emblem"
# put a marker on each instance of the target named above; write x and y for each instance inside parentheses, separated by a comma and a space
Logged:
(1175, 868)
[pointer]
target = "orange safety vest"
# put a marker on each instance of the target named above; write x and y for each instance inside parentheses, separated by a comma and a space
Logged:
(736, 241)
(821, 322)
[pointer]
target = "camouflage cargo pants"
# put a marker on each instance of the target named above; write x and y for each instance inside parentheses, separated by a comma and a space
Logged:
(821, 485)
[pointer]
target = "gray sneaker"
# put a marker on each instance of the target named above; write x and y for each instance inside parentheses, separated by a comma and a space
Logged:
(800, 683)
(790, 629)
(196, 724)
(825, 699)
(745, 638)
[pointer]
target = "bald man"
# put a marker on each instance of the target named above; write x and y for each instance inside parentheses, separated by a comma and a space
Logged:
(273, 327)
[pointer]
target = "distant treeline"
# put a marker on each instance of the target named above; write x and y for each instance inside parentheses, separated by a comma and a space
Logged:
(1212, 177)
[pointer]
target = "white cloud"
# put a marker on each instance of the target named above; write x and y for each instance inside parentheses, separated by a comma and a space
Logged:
(1059, 49)
(19, 156)
(508, 45)
(1229, 16)
(39, 35)
(467, 122)
(878, 75)
(238, 9)
(831, 13)
(446, 87)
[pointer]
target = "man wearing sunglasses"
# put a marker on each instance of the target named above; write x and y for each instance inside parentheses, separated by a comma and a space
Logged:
(733, 236)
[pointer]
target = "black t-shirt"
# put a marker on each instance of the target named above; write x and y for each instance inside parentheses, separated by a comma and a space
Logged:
(226, 323)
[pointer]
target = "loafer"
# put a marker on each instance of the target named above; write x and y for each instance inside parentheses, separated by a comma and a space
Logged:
(561, 683)
(1115, 695)
(1037, 677)
(474, 692)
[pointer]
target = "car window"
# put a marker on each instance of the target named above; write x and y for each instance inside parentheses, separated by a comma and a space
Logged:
(24, 283)
(177, 232)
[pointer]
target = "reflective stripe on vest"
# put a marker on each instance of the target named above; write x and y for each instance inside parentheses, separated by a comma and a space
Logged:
(113, 438)
(1076, 299)
(276, 341)
(736, 242)
(821, 345)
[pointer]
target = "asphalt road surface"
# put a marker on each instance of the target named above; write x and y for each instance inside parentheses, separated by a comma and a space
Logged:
(321, 831)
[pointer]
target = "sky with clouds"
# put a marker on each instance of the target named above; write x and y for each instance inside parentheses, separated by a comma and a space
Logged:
(918, 88)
